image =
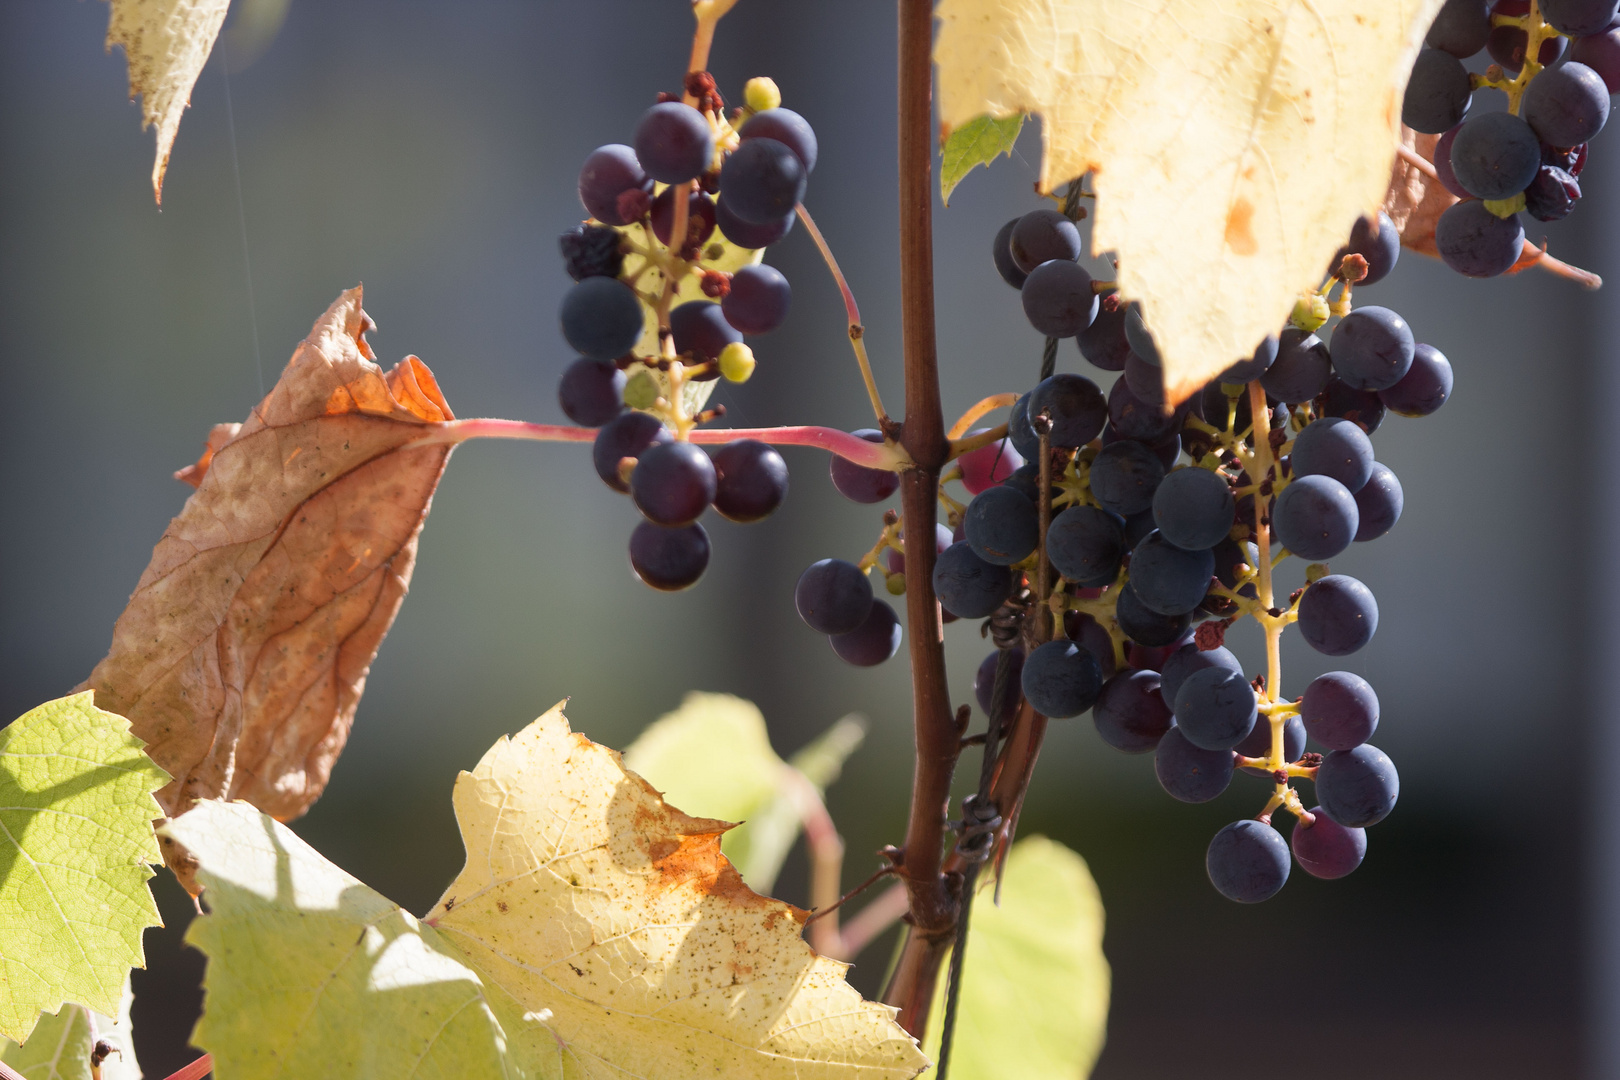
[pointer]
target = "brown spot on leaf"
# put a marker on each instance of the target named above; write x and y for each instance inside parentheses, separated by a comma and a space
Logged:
(1240, 228)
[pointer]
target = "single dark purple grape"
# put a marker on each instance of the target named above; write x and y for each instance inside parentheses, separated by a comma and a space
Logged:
(625, 436)
(1140, 337)
(1244, 371)
(1124, 476)
(1364, 408)
(1337, 615)
(1061, 679)
(673, 483)
(859, 483)
(1315, 517)
(1183, 661)
(1579, 17)
(1376, 240)
(1002, 254)
(872, 642)
(1333, 447)
(1495, 155)
(752, 480)
(591, 392)
(1167, 579)
(1601, 53)
(1325, 849)
(701, 330)
(786, 127)
(1379, 504)
(762, 180)
(674, 142)
(1131, 715)
(833, 596)
(1040, 236)
(1248, 862)
(1475, 242)
(1300, 372)
(1188, 773)
(1372, 348)
(1340, 710)
(1134, 418)
(1572, 159)
(1566, 105)
(1461, 28)
(1145, 380)
(669, 559)
(700, 217)
(1442, 164)
(591, 251)
(1357, 787)
(984, 683)
(1058, 298)
(1552, 194)
(1086, 545)
(1437, 93)
(1103, 343)
(967, 586)
(1194, 508)
(601, 318)
(746, 234)
(758, 300)
(611, 182)
(1215, 708)
(1075, 406)
(1424, 388)
(1257, 744)
(1145, 626)
(1002, 526)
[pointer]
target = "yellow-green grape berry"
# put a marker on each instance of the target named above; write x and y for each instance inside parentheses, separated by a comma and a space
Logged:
(895, 583)
(1506, 208)
(737, 362)
(641, 391)
(760, 93)
(1310, 312)
(1316, 572)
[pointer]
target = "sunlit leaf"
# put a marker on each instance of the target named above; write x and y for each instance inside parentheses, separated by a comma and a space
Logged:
(977, 142)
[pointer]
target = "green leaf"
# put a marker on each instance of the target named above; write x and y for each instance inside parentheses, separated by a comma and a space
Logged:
(76, 811)
(1034, 996)
(311, 973)
(977, 142)
(59, 1046)
(712, 757)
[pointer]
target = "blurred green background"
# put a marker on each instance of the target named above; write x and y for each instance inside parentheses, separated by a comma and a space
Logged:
(430, 150)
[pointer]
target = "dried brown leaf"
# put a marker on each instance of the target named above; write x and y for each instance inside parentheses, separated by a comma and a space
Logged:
(244, 650)
(1416, 199)
(167, 42)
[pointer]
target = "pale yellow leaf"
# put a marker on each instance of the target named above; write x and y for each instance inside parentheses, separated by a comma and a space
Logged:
(1234, 143)
(167, 42)
(613, 917)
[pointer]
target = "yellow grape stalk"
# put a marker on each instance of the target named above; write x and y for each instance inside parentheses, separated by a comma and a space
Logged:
(1234, 144)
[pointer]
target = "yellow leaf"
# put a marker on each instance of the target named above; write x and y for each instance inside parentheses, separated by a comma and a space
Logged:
(1234, 144)
(587, 898)
(167, 42)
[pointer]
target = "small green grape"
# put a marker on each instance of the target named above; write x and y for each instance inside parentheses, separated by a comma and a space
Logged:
(736, 362)
(760, 93)
(1310, 312)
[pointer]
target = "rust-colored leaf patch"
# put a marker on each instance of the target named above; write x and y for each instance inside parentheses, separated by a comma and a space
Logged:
(244, 650)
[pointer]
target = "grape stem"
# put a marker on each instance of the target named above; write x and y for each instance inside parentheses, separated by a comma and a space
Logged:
(857, 331)
(707, 13)
(826, 851)
(842, 443)
(965, 421)
(194, 1071)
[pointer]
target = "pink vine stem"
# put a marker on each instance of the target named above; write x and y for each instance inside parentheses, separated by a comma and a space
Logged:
(842, 443)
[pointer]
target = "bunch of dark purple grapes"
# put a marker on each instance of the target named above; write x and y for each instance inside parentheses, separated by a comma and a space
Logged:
(743, 182)
(1152, 540)
(1530, 157)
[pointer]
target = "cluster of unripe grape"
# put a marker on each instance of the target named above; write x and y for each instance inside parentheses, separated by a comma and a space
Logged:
(1145, 543)
(1530, 157)
(728, 185)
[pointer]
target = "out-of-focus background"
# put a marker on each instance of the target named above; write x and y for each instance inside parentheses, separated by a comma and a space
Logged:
(430, 150)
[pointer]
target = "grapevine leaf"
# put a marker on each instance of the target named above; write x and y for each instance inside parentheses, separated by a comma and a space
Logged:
(166, 42)
(76, 811)
(1034, 998)
(1415, 201)
(587, 897)
(59, 1046)
(244, 650)
(714, 755)
(595, 931)
(977, 142)
(1234, 144)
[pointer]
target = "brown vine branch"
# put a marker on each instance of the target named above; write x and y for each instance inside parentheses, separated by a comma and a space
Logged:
(938, 742)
